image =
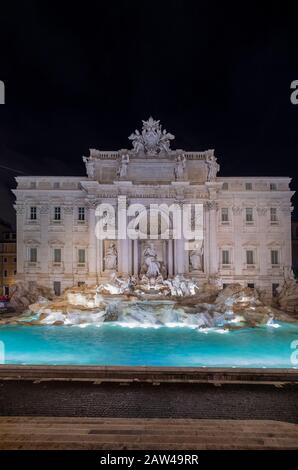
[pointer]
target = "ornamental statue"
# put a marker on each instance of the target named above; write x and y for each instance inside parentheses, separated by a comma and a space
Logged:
(180, 167)
(196, 259)
(123, 168)
(153, 140)
(111, 257)
(152, 265)
(212, 167)
(89, 166)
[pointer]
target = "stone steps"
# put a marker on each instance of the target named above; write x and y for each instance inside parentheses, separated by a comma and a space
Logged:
(121, 433)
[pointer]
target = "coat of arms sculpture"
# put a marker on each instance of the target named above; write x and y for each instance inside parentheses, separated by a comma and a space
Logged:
(152, 140)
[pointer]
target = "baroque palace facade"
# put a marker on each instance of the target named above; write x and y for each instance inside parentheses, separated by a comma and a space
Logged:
(245, 227)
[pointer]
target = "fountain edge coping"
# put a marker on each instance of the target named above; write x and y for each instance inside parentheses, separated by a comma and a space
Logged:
(147, 374)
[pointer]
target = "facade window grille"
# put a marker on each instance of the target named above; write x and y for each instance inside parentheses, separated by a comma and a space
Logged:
(33, 213)
(249, 214)
(57, 255)
(81, 214)
(57, 213)
(274, 257)
(249, 257)
(225, 214)
(273, 214)
(33, 255)
(81, 256)
(225, 257)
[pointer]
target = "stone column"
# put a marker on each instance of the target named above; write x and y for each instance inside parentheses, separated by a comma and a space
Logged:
(286, 251)
(135, 257)
(206, 240)
(124, 257)
(262, 225)
(179, 256)
(92, 245)
(21, 248)
(237, 212)
(68, 257)
(211, 206)
(170, 258)
(44, 252)
(124, 244)
(99, 257)
(212, 235)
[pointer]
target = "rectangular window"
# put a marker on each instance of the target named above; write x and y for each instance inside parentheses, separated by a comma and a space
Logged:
(56, 185)
(225, 186)
(249, 257)
(5, 273)
(249, 214)
(225, 257)
(248, 186)
(57, 213)
(33, 185)
(57, 287)
(251, 285)
(81, 256)
(273, 214)
(81, 214)
(225, 214)
(274, 257)
(33, 213)
(57, 255)
(273, 187)
(33, 255)
(275, 289)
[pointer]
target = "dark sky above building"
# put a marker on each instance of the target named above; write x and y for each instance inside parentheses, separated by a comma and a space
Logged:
(80, 75)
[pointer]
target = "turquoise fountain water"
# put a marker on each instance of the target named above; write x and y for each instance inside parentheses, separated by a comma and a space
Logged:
(113, 344)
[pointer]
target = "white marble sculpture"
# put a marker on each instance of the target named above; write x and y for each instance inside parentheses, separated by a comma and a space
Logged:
(151, 262)
(152, 140)
(89, 167)
(123, 169)
(180, 167)
(212, 168)
(195, 259)
(111, 257)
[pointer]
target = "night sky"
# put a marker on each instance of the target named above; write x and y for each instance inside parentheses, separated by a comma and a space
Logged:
(81, 75)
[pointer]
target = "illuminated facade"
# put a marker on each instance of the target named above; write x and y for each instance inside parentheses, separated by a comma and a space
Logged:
(246, 221)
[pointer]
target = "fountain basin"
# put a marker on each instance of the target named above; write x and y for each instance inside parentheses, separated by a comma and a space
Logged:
(113, 344)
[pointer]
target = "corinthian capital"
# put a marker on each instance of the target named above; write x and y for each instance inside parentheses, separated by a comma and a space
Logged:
(237, 210)
(68, 210)
(262, 211)
(92, 204)
(44, 209)
(19, 208)
(211, 205)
